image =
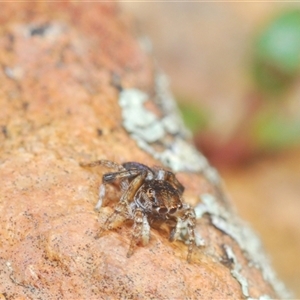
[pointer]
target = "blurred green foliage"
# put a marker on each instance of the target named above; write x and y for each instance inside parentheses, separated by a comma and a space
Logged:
(277, 52)
(272, 131)
(276, 66)
(194, 118)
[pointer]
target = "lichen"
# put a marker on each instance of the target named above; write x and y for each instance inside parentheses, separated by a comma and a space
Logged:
(230, 224)
(164, 137)
(167, 140)
(236, 273)
(236, 270)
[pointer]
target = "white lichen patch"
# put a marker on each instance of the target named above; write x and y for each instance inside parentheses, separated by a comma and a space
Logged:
(248, 241)
(149, 131)
(137, 120)
(164, 137)
(236, 270)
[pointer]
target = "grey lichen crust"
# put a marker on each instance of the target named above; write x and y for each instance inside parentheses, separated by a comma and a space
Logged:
(167, 140)
(244, 236)
(236, 273)
(164, 137)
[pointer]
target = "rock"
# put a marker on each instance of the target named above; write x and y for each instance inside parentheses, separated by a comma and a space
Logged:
(65, 68)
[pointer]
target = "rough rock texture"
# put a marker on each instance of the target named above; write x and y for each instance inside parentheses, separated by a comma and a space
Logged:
(63, 67)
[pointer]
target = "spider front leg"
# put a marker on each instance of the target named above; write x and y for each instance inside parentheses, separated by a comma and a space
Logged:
(188, 221)
(121, 210)
(111, 177)
(102, 188)
(122, 174)
(103, 162)
(141, 230)
(123, 207)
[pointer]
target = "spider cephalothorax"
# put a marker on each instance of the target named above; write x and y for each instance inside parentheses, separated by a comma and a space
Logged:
(149, 194)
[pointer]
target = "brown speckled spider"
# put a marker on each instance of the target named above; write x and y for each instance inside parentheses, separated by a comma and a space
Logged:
(149, 195)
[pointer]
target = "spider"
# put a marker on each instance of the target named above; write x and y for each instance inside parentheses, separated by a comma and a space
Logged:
(148, 195)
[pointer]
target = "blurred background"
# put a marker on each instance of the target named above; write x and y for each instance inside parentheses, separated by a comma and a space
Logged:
(235, 72)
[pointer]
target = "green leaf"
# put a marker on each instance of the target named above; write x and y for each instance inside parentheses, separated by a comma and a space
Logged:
(277, 51)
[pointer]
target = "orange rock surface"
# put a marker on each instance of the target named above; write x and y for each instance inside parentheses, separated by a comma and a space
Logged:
(62, 66)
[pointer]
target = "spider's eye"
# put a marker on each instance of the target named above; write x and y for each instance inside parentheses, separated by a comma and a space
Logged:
(179, 206)
(172, 210)
(162, 210)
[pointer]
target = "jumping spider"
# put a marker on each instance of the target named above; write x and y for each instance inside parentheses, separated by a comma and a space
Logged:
(149, 195)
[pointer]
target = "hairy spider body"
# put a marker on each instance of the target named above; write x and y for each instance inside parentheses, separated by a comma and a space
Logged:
(149, 194)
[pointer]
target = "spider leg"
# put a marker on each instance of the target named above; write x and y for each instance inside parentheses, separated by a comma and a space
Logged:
(122, 174)
(137, 230)
(135, 165)
(145, 231)
(102, 188)
(122, 207)
(120, 210)
(188, 220)
(111, 177)
(162, 174)
(176, 231)
(190, 217)
(102, 191)
(105, 163)
(142, 201)
(121, 171)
